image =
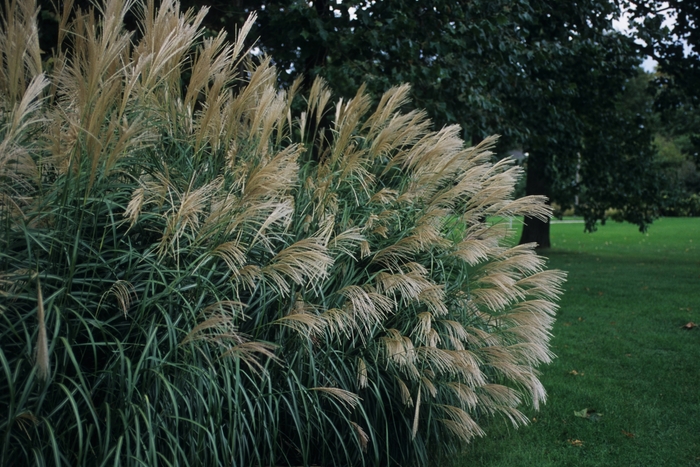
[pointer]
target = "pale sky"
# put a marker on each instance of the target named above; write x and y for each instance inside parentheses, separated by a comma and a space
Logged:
(649, 64)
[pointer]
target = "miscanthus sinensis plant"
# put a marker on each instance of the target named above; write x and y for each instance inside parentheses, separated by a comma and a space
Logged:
(192, 274)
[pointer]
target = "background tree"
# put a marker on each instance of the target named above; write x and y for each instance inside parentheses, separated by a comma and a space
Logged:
(579, 142)
(675, 151)
(548, 78)
(669, 32)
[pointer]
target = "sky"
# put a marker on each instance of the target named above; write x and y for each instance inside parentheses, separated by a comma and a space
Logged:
(649, 64)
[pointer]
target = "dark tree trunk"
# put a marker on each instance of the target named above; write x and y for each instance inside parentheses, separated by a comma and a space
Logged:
(537, 183)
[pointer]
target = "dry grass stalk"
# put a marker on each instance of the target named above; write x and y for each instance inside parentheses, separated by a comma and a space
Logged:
(19, 48)
(43, 367)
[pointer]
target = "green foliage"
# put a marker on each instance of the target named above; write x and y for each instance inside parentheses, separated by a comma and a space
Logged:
(678, 158)
(681, 194)
(675, 158)
(673, 162)
(670, 152)
(193, 274)
(675, 45)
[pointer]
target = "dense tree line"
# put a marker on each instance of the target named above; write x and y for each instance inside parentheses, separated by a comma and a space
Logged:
(550, 78)
(669, 32)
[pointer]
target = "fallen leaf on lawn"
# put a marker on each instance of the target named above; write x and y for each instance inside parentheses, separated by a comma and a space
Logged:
(628, 434)
(589, 414)
(575, 442)
(690, 325)
(576, 373)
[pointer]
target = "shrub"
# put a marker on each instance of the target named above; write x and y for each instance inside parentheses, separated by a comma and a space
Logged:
(191, 275)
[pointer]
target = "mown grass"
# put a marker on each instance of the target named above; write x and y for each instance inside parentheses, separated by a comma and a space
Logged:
(622, 351)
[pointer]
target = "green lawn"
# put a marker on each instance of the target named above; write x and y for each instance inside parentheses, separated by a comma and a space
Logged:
(622, 351)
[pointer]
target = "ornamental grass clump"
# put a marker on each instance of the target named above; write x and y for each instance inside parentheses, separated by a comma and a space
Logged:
(193, 274)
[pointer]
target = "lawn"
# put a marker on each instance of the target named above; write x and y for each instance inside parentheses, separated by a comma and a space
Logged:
(625, 358)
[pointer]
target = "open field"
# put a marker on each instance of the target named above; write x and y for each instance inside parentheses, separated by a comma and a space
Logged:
(623, 352)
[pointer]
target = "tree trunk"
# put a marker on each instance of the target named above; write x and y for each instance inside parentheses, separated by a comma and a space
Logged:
(537, 183)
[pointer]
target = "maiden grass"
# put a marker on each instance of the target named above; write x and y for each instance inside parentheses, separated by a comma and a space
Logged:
(192, 275)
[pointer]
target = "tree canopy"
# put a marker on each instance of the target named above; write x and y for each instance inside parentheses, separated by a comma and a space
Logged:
(547, 77)
(669, 32)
